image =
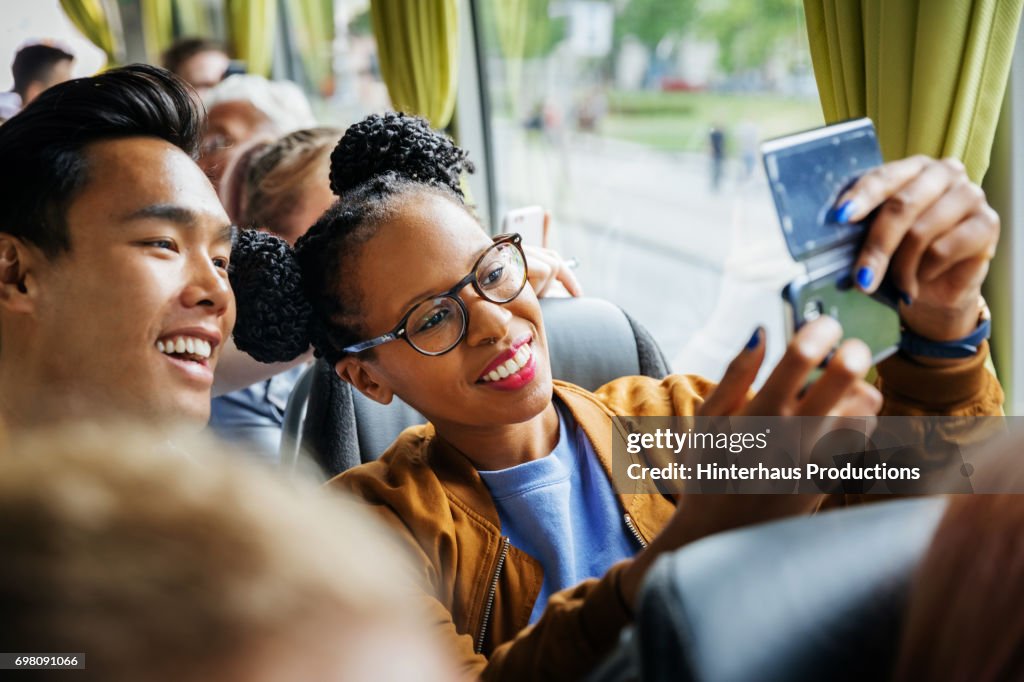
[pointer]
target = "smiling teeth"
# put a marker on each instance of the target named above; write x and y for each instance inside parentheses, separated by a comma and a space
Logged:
(185, 344)
(511, 366)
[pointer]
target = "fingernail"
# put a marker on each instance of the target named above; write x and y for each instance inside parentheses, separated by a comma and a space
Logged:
(755, 339)
(905, 297)
(844, 211)
(865, 276)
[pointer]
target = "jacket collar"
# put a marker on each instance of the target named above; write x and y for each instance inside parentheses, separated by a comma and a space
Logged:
(461, 479)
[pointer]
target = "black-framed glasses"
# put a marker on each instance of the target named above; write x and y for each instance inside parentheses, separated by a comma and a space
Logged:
(438, 324)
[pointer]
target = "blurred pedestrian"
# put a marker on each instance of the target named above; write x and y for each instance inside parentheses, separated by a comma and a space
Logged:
(717, 142)
(35, 68)
(200, 62)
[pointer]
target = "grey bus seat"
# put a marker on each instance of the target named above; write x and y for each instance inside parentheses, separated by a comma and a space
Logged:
(813, 598)
(591, 342)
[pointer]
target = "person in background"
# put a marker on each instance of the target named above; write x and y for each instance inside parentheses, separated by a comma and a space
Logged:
(114, 249)
(247, 108)
(280, 187)
(181, 563)
(716, 142)
(35, 68)
(200, 62)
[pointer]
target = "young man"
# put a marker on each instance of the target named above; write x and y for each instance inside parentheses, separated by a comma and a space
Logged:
(35, 68)
(114, 248)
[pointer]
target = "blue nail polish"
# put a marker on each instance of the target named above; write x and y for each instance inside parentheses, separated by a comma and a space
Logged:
(755, 339)
(905, 297)
(865, 276)
(844, 211)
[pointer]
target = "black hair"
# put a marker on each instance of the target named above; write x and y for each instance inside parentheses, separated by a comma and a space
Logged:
(43, 147)
(184, 49)
(397, 142)
(379, 162)
(34, 64)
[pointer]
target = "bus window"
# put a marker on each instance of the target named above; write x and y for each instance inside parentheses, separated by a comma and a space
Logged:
(637, 124)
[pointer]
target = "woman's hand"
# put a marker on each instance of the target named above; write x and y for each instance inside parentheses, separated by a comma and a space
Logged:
(549, 274)
(934, 233)
(839, 391)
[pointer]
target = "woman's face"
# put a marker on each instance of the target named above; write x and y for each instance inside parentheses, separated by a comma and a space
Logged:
(312, 199)
(429, 246)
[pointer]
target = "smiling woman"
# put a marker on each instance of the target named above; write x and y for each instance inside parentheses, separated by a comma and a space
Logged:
(505, 497)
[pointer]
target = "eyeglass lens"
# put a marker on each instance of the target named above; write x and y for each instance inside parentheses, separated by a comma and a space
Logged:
(436, 325)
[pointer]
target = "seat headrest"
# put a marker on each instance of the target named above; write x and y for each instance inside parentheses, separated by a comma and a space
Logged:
(813, 598)
(591, 341)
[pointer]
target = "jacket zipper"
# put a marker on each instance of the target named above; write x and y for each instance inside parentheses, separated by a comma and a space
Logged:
(632, 528)
(490, 595)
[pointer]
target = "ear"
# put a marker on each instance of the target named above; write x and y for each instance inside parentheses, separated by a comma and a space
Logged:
(17, 287)
(354, 371)
(34, 89)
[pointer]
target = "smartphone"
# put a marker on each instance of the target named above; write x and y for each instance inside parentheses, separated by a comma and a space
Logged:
(807, 173)
(862, 317)
(528, 222)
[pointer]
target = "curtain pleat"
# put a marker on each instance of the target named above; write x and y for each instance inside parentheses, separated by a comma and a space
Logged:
(252, 24)
(91, 19)
(417, 46)
(931, 75)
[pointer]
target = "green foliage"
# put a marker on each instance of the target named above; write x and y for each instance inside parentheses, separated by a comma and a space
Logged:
(521, 28)
(680, 121)
(649, 21)
(543, 32)
(361, 24)
(749, 32)
(650, 103)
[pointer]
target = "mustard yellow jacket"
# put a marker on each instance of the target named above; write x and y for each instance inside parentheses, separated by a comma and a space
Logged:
(481, 590)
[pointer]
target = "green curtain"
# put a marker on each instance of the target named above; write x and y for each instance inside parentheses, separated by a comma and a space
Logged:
(252, 25)
(930, 73)
(193, 20)
(90, 17)
(417, 45)
(512, 20)
(157, 27)
(313, 21)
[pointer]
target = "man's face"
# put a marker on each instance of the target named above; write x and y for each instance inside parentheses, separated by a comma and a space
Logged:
(204, 70)
(147, 270)
(228, 126)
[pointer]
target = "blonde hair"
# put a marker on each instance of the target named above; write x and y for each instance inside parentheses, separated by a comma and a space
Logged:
(266, 178)
(172, 562)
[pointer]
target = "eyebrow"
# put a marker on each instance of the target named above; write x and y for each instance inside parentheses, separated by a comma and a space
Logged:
(184, 217)
(430, 293)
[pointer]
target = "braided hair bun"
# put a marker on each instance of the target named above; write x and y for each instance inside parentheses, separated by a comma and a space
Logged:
(273, 313)
(401, 143)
